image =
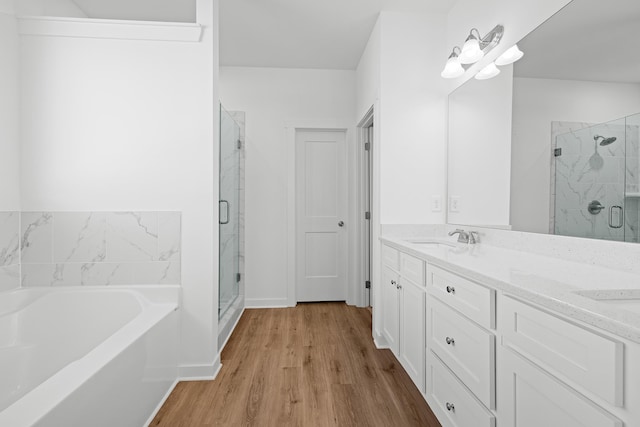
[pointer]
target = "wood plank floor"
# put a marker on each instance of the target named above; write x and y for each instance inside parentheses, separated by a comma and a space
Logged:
(312, 365)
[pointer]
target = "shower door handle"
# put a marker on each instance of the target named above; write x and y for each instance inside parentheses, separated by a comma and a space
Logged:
(227, 206)
(620, 217)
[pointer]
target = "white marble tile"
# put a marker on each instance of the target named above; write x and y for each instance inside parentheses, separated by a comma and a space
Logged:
(132, 236)
(79, 236)
(156, 273)
(9, 238)
(36, 237)
(169, 236)
(9, 277)
(106, 274)
(50, 275)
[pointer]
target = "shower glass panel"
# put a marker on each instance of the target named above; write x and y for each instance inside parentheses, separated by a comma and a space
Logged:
(591, 177)
(229, 207)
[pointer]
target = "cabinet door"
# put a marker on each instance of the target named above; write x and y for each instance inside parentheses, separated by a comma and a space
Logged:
(412, 331)
(390, 307)
(530, 397)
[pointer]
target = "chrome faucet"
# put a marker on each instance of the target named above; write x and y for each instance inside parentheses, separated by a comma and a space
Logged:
(471, 237)
(463, 236)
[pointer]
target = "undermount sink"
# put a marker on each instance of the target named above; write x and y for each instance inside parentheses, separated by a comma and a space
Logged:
(625, 299)
(432, 243)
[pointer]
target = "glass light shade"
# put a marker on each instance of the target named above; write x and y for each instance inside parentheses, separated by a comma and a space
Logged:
(452, 69)
(471, 52)
(510, 56)
(488, 72)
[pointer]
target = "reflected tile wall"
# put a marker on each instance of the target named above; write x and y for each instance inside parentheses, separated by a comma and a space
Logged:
(100, 248)
(577, 180)
(9, 250)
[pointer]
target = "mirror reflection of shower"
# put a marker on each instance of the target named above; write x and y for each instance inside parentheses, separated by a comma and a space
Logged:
(596, 179)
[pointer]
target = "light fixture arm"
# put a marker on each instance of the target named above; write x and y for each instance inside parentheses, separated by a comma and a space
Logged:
(455, 53)
(492, 38)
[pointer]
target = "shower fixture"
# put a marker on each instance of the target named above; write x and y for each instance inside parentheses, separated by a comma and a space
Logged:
(605, 141)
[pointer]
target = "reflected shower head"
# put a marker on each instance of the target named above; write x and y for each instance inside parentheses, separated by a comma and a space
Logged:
(605, 141)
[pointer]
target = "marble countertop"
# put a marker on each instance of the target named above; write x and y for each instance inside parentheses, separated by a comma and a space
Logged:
(605, 298)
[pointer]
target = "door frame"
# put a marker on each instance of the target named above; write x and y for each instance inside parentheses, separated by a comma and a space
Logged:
(355, 296)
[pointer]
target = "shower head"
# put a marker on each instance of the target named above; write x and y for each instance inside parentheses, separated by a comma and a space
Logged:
(605, 141)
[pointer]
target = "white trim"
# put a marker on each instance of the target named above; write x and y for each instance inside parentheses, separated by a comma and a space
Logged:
(164, 399)
(291, 127)
(233, 328)
(268, 303)
(109, 29)
(206, 372)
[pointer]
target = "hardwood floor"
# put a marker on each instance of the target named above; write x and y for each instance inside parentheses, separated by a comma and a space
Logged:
(313, 365)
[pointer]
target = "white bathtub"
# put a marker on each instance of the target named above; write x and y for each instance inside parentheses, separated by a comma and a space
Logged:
(86, 356)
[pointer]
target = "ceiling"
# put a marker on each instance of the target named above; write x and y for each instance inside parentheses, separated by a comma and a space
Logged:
(329, 34)
(140, 10)
(588, 40)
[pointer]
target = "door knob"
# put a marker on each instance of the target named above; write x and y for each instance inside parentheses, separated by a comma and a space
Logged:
(341, 224)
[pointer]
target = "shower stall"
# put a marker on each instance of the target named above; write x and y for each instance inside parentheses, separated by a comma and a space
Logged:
(231, 224)
(595, 180)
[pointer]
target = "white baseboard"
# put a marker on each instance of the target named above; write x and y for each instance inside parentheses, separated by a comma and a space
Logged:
(164, 399)
(379, 341)
(233, 328)
(267, 303)
(207, 372)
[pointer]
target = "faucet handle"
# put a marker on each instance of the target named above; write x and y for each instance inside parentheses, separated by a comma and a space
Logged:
(474, 237)
(456, 231)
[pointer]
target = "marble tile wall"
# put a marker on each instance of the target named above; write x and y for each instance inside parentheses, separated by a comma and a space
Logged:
(9, 250)
(582, 176)
(100, 248)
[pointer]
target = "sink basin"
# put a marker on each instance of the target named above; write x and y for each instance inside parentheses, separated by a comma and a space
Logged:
(625, 299)
(432, 243)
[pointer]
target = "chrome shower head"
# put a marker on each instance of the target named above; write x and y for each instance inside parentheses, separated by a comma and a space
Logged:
(605, 141)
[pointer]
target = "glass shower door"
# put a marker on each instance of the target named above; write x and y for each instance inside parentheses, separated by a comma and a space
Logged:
(229, 212)
(590, 176)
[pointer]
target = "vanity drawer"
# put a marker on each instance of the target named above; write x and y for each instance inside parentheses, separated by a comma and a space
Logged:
(390, 257)
(467, 349)
(412, 268)
(452, 403)
(576, 355)
(471, 299)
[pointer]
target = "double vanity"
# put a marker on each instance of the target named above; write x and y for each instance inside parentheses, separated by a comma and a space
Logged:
(499, 337)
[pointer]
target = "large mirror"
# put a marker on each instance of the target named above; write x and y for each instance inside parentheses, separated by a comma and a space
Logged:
(550, 145)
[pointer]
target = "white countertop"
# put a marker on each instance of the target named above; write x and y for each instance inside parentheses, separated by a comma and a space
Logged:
(562, 286)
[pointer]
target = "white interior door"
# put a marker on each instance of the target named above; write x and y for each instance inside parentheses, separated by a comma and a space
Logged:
(321, 210)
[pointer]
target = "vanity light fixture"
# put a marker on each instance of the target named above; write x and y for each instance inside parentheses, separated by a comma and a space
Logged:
(473, 50)
(509, 56)
(453, 68)
(488, 72)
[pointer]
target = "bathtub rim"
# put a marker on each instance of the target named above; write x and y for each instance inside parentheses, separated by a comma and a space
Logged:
(157, 302)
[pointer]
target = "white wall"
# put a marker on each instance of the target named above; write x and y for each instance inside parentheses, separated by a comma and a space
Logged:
(131, 125)
(271, 98)
(368, 74)
(519, 17)
(9, 105)
(62, 8)
(538, 102)
(480, 150)
(412, 118)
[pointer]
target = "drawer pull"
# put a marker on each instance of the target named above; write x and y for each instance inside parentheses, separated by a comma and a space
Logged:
(451, 407)
(450, 341)
(393, 282)
(451, 290)
(399, 286)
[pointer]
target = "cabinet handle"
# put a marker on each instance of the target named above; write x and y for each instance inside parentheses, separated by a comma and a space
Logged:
(451, 290)
(450, 407)
(450, 341)
(399, 286)
(393, 282)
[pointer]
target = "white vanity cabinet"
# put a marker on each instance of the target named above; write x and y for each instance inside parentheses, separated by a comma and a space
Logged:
(556, 373)
(461, 377)
(403, 310)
